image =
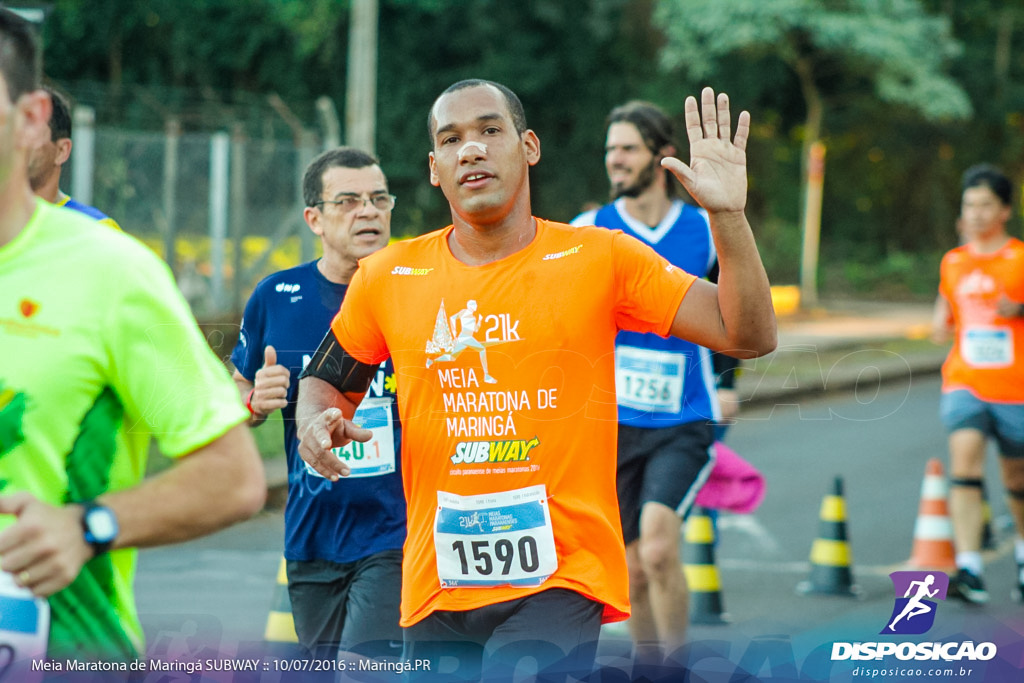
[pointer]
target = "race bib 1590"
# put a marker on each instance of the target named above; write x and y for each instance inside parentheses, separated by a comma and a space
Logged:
(494, 539)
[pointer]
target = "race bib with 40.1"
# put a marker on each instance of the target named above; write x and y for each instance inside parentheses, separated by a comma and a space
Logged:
(375, 457)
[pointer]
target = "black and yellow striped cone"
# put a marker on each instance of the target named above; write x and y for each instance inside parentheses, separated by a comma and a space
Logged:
(700, 570)
(280, 623)
(831, 558)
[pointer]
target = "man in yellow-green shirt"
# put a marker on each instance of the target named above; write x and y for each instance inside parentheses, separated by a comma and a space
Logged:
(100, 352)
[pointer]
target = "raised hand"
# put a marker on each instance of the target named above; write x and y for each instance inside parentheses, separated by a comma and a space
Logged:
(717, 174)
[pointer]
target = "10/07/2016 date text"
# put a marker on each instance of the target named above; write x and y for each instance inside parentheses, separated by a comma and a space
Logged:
(351, 663)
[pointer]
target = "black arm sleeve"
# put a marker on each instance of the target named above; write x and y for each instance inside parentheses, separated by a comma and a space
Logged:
(713, 273)
(722, 365)
(334, 365)
(725, 368)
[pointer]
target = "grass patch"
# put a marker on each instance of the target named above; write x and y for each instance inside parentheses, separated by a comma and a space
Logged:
(269, 436)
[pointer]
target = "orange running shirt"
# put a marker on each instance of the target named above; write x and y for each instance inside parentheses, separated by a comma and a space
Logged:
(987, 357)
(506, 387)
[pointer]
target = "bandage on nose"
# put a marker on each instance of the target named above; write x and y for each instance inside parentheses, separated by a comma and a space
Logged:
(472, 143)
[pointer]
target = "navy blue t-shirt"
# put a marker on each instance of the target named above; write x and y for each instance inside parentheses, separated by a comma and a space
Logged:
(352, 518)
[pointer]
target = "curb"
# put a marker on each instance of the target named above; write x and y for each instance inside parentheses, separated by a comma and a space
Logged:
(761, 390)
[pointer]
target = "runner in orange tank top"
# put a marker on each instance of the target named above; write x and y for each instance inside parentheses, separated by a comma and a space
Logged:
(979, 305)
(503, 352)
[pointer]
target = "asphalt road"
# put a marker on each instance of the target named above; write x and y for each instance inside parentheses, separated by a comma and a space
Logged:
(217, 591)
(878, 443)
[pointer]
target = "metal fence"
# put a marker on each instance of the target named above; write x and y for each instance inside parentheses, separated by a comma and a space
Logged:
(222, 209)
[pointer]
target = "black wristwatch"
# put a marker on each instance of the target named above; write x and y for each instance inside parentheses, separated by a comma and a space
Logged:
(99, 526)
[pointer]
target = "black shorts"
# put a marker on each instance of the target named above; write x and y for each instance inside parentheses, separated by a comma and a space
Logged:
(556, 630)
(353, 605)
(666, 465)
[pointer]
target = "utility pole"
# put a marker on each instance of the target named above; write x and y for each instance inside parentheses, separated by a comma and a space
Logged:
(361, 94)
(812, 225)
(305, 146)
(329, 118)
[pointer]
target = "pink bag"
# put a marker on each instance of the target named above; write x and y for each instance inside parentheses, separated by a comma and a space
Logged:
(734, 484)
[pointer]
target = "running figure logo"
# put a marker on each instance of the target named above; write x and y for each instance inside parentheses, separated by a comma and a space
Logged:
(454, 335)
(914, 613)
(473, 520)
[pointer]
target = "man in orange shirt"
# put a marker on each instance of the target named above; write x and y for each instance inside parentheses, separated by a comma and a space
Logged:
(979, 304)
(514, 548)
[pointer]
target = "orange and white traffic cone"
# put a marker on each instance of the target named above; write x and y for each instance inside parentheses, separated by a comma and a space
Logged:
(933, 531)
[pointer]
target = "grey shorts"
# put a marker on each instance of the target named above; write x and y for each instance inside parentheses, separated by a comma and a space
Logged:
(1003, 422)
(353, 606)
(666, 465)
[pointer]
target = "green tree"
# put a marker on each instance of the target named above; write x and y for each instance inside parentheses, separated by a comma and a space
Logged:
(569, 62)
(836, 50)
(892, 44)
(212, 63)
(193, 57)
(991, 69)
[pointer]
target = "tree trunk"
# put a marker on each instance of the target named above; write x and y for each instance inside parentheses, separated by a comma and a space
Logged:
(815, 108)
(1003, 48)
(810, 207)
(361, 88)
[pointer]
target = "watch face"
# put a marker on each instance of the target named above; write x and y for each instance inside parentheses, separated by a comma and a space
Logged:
(102, 524)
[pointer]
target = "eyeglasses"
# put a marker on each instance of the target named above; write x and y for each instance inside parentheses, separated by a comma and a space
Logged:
(353, 202)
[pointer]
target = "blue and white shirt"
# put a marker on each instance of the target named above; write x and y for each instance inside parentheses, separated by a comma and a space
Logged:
(661, 382)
